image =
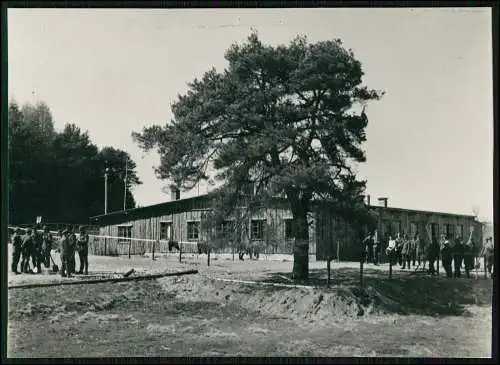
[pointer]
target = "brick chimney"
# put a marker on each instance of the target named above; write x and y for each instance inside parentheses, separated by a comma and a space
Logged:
(175, 193)
(383, 202)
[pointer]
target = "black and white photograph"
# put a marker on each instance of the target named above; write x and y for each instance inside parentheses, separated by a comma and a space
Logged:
(250, 182)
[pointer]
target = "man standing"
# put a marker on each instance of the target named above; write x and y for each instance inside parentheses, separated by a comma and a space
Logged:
(83, 251)
(367, 247)
(405, 251)
(72, 259)
(399, 248)
(27, 251)
(458, 255)
(46, 246)
(432, 254)
(413, 250)
(489, 254)
(447, 256)
(37, 250)
(391, 251)
(17, 245)
(67, 251)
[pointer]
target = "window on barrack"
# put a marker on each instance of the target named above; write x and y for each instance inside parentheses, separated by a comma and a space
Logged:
(257, 229)
(165, 231)
(124, 232)
(193, 231)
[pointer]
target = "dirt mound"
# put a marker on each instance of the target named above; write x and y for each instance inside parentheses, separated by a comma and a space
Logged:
(275, 302)
(340, 302)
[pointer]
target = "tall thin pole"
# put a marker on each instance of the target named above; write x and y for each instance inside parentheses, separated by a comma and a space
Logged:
(106, 191)
(125, 185)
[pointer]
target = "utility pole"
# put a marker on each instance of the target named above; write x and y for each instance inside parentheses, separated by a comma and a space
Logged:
(125, 185)
(106, 191)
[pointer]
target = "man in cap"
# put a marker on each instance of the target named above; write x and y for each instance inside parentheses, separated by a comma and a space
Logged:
(67, 251)
(17, 246)
(82, 246)
(27, 251)
(46, 246)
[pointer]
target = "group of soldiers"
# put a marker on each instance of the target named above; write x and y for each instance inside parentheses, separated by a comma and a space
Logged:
(413, 251)
(37, 247)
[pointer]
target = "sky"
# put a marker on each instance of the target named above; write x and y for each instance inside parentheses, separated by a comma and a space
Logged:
(429, 140)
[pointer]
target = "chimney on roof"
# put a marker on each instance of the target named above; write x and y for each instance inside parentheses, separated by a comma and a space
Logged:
(175, 193)
(368, 200)
(383, 202)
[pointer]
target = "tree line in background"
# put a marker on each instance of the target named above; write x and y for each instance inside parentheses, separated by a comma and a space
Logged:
(60, 175)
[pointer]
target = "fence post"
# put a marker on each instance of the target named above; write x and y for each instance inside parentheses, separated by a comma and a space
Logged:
(180, 251)
(153, 249)
(485, 268)
(129, 247)
(105, 246)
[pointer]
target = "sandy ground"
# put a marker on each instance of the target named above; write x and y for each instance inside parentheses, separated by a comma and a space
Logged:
(198, 315)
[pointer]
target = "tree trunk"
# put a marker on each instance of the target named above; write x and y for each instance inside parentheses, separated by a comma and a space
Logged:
(301, 246)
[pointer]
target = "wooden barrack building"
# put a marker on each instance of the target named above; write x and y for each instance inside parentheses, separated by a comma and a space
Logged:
(180, 220)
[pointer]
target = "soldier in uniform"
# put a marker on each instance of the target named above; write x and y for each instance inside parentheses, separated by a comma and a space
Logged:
(37, 250)
(488, 253)
(367, 247)
(413, 250)
(432, 254)
(46, 246)
(82, 246)
(399, 247)
(72, 259)
(17, 246)
(405, 252)
(67, 251)
(447, 256)
(27, 251)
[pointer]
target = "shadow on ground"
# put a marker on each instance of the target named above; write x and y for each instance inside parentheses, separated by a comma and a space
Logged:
(404, 293)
